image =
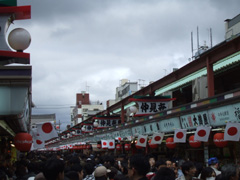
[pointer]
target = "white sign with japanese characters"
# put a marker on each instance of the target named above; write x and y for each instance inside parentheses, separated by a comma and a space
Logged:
(192, 121)
(168, 125)
(151, 128)
(220, 116)
(151, 107)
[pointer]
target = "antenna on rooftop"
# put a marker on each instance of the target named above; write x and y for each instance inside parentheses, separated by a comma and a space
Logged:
(192, 43)
(210, 37)
(197, 39)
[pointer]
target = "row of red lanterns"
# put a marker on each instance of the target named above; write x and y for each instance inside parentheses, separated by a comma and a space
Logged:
(23, 142)
(218, 140)
(127, 147)
(85, 146)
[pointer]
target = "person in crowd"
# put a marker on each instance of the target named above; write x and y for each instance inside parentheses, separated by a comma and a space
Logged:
(3, 175)
(72, 175)
(207, 173)
(199, 167)
(89, 169)
(79, 169)
(189, 170)
(138, 167)
(153, 169)
(164, 173)
(179, 165)
(152, 163)
(54, 169)
(113, 173)
(213, 163)
(22, 172)
(169, 163)
(160, 163)
(101, 173)
(121, 177)
(123, 167)
(229, 172)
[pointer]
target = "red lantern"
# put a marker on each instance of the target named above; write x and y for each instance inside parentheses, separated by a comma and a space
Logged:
(218, 140)
(127, 147)
(99, 146)
(153, 146)
(119, 147)
(194, 143)
(84, 146)
(23, 142)
(170, 143)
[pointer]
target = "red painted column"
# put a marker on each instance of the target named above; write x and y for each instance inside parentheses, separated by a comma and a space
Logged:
(210, 78)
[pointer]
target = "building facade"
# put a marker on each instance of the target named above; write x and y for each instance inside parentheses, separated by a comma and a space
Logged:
(206, 93)
(84, 108)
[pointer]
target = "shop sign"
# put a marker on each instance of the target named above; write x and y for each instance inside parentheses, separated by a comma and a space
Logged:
(137, 130)
(151, 128)
(192, 121)
(108, 136)
(101, 136)
(105, 123)
(220, 116)
(168, 125)
(146, 108)
(125, 133)
(116, 134)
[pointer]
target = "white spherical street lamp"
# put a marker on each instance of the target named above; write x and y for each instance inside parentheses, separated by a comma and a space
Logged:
(83, 128)
(19, 39)
(95, 124)
(133, 109)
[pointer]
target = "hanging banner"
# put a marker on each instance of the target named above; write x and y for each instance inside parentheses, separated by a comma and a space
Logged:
(168, 125)
(125, 133)
(88, 128)
(107, 121)
(147, 105)
(220, 116)
(151, 128)
(116, 134)
(192, 121)
(137, 130)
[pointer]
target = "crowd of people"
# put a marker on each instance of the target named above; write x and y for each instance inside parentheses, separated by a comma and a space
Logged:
(78, 166)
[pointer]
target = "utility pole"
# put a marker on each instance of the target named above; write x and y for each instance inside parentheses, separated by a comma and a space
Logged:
(58, 129)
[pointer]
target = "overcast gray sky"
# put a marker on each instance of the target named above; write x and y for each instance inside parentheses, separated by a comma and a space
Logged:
(96, 43)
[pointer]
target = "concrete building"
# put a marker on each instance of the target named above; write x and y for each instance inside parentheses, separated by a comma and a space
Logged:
(125, 89)
(84, 108)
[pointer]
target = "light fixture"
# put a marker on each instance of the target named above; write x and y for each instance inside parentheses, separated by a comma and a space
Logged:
(19, 39)
(4, 125)
(73, 132)
(95, 124)
(83, 128)
(133, 109)
(12, 145)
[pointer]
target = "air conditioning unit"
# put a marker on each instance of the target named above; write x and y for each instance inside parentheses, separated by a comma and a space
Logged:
(199, 88)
